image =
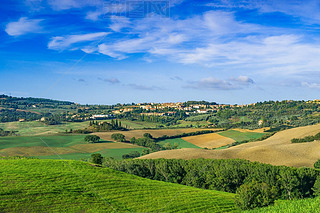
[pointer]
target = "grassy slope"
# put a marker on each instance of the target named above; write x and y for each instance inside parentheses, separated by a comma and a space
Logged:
(52, 141)
(240, 136)
(182, 143)
(297, 206)
(39, 128)
(115, 153)
(72, 186)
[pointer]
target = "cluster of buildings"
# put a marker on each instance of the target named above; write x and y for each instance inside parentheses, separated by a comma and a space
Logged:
(157, 108)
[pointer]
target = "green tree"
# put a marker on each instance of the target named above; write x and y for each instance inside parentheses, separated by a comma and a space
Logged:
(92, 138)
(96, 158)
(133, 140)
(147, 135)
(118, 137)
(145, 151)
(317, 164)
(254, 194)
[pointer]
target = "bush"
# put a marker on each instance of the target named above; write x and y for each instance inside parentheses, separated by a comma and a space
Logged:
(316, 187)
(317, 164)
(133, 154)
(254, 195)
(96, 158)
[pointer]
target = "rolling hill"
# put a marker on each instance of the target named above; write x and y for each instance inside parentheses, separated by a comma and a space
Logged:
(33, 185)
(276, 150)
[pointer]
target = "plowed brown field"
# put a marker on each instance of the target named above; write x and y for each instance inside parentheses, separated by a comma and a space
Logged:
(212, 140)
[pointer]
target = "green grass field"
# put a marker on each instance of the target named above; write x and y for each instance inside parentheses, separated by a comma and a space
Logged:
(241, 136)
(114, 153)
(182, 143)
(17, 145)
(33, 185)
(38, 128)
(50, 140)
(296, 206)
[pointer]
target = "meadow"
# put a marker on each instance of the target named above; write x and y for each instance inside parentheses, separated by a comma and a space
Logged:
(34, 185)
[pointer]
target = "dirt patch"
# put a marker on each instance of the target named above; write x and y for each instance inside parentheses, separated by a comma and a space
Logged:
(212, 140)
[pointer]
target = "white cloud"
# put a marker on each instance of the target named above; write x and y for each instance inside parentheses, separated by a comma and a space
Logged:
(240, 82)
(63, 42)
(24, 26)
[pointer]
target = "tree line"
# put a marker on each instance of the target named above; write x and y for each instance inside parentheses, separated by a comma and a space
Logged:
(235, 176)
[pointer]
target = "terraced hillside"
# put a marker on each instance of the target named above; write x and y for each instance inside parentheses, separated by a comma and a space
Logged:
(276, 150)
(33, 185)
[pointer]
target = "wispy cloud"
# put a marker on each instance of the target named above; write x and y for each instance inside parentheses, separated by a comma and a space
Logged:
(110, 80)
(24, 26)
(63, 42)
(144, 87)
(240, 82)
(176, 78)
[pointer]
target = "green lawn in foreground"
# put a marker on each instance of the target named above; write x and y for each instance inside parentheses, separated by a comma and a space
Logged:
(182, 143)
(241, 136)
(115, 153)
(33, 185)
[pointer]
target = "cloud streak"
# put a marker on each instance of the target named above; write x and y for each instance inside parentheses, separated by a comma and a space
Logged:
(63, 42)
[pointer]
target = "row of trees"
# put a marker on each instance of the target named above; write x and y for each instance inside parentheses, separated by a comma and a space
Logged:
(7, 133)
(237, 176)
(310, 138)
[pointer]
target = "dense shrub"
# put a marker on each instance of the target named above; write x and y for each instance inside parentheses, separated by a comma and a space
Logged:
(317, 164)
(254, 194)
(133, 154)
(96, 158)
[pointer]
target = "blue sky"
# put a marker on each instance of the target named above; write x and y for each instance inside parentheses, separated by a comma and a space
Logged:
(106, 52)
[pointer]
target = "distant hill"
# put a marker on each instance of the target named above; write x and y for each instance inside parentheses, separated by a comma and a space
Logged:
(276, 150)
(4, 100)
(33, 185)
